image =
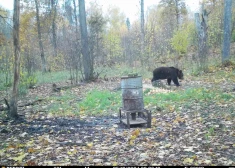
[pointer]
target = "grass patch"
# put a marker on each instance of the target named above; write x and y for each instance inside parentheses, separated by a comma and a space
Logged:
(210, 133)
(96, 103)
(186, 97)
(52, 77)
(37, 78)
(63, 109)
(62, 105)
(5, 81)
(100, 103)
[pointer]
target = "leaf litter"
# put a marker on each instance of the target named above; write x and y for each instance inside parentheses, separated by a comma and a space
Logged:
(202, 134)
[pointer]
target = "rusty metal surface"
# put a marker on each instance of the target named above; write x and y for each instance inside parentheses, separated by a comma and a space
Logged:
(133, 104)
(136, 93)
(132, 93)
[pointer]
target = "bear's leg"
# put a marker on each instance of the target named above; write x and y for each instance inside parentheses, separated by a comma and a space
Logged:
(169, 81)
(175, 80)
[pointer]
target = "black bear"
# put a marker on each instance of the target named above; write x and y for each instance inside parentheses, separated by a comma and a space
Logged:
(169, 73)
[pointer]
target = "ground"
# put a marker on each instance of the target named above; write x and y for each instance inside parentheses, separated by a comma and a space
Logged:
(195, 130)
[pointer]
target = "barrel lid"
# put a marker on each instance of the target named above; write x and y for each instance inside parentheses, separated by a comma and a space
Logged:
(134, 75)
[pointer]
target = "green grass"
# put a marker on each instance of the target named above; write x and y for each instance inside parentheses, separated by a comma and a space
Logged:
(52, 77)
(63, 109)
(3, 83)
(100, 102)
(96, 103)
(187, 97)
(66, 95)
(39, 77)
(210, 133)
(63, 105)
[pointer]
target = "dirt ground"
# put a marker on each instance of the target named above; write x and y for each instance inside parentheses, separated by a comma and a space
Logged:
(186, 138)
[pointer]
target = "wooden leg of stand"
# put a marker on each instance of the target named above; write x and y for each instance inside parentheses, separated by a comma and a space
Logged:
(128, 120)
(120, 115)
(149, 119)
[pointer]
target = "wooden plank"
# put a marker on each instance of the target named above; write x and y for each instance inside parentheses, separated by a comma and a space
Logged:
(134, 122)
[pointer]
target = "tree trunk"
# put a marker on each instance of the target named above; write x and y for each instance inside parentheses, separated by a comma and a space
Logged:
(69, 10)
(202, 38)
(177, 13)
(78, 61)
(142, 31)
(87, 63)
(54, 13)
(44, 68)
(227, 30)
(13, 103)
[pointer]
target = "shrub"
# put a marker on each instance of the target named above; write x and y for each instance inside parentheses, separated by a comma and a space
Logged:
(181, 38)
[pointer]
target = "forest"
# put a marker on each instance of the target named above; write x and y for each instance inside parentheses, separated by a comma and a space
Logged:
(64, 66)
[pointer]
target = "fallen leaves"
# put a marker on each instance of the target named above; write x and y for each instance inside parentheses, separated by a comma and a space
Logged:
(31, 150)
(136, 133)
(20, 157)
(89, 145)
(189, 133)
(188, 161)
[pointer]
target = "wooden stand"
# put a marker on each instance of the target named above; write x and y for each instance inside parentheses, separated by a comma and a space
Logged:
(144, 117)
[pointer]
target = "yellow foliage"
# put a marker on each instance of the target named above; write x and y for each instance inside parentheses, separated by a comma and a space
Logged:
(136, 133)
(26, 28)
(115, 164)
(133, 137)
(56, 63)
(188, 161)
(31, 150)
(131, 142)
(178, 119)
(20, 157)
(180, 40)
(89, 145)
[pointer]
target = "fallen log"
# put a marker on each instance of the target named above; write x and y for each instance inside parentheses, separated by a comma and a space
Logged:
(56, 88)
(7, 107)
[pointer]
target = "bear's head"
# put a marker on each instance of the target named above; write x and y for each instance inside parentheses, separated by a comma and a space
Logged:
(180, 74)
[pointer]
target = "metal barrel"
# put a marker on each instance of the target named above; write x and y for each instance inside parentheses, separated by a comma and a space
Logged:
(132, 93)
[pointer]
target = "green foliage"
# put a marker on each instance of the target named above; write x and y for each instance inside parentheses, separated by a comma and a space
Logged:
(112, 42)
(26, 81)
(96, 102)
(5, 82)
(56, 63)
(52, 77)
(211, 132)
(186, 96)
(215, 33)
(100, 102)
(233, 36)
(115, 17)
(215, 22)
(147, 91)
(60, 105)
(180, 40)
